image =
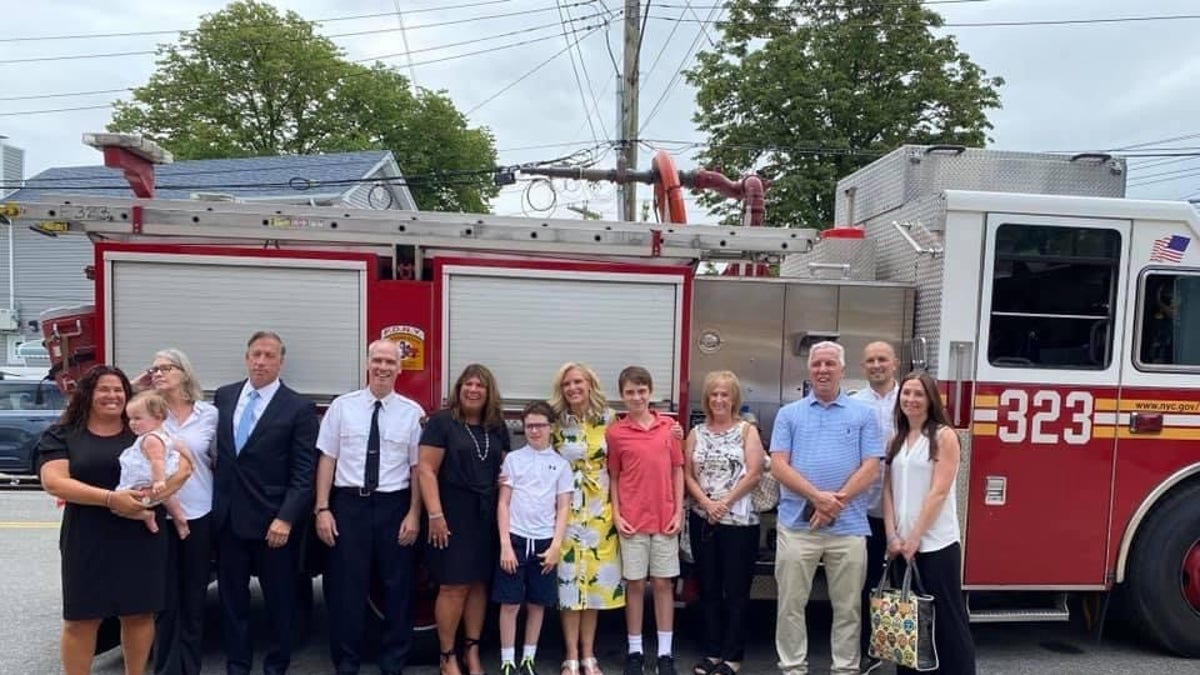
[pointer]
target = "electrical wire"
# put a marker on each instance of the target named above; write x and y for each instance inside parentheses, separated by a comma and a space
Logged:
(575, 71)
(587, 77)
(533, 70)
(588, 28)
(963, 24)
(180, 31)
(268, 43)
(718, 10)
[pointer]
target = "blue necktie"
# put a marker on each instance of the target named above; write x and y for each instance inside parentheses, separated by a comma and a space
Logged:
(245, 422)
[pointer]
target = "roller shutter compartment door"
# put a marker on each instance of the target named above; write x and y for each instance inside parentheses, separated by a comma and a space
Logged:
(209, 307)
(524, 328)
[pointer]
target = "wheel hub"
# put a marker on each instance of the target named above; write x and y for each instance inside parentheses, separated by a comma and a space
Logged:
(1190, 576)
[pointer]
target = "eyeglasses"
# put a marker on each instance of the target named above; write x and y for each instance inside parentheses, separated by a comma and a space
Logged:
(164, 369)
(537, 426)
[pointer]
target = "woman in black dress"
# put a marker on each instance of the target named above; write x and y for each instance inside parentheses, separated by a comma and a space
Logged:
(461, 451)
(111, 566)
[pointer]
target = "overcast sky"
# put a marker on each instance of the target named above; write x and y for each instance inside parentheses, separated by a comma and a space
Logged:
(1100, 86)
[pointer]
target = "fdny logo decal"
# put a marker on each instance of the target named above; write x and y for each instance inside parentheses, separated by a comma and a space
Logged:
(411, 341)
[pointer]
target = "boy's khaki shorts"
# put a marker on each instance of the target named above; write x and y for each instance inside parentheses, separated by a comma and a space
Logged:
(656, 555)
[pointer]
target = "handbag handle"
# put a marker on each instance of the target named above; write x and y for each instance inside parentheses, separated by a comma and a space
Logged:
(911, 573)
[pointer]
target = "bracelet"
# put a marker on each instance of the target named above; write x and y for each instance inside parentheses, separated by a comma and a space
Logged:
(435, 516)
(321, 509)
(108, 500)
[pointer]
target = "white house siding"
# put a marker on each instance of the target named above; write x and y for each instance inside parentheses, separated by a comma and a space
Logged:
(49, 272)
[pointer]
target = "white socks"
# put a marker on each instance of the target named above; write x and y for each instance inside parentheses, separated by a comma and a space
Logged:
(508, 655)
(664, 642)
(635, 643)
(529, 652)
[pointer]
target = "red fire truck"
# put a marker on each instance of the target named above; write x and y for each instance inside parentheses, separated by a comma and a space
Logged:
(1056, 315)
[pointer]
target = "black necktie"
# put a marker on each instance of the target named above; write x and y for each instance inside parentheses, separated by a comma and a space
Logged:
(372, 480)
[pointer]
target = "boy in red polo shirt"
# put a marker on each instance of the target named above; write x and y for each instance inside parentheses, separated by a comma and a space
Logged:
(645, 462)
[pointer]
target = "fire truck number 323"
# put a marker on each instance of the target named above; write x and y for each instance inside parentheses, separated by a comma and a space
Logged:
(1040, 418)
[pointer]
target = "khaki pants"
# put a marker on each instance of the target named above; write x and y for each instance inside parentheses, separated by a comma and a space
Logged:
(797, 554)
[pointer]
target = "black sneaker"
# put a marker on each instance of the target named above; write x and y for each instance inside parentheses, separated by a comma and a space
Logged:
(666, 665)
(526, 667)
(870, 664)
(635, 663)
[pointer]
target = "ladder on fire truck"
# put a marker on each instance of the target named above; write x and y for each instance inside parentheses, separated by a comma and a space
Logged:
(275, 224)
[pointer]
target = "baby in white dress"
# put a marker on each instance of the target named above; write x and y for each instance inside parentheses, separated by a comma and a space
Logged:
(152, 459)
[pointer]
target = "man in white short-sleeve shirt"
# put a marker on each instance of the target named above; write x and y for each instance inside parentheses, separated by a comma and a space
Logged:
(368, 509)
(879, 366)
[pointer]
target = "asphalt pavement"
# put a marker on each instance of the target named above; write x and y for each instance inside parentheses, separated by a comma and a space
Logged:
(30, 618)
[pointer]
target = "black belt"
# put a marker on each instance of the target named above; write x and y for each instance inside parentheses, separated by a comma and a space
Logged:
(364, 492)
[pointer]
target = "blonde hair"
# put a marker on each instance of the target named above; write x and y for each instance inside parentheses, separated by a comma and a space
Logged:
(597, 403)
(150, 401)
(726, 377)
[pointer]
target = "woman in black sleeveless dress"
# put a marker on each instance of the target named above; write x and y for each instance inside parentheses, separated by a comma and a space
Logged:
(461, 451)
(111, 566)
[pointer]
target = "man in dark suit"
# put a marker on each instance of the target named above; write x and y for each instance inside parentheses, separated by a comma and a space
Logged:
(262, 493)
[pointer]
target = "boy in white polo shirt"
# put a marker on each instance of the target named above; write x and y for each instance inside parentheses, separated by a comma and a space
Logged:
(535, 494)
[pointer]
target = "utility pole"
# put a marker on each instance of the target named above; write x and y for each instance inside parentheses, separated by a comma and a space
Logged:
(628, 91)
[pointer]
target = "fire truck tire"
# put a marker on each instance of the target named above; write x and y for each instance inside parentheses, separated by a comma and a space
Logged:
(1158, 583)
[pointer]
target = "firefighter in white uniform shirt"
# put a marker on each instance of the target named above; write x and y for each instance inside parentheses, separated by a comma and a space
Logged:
(368, 508)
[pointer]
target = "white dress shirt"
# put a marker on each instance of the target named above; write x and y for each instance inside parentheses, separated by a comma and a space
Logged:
(346, 427)
(197, 432)
(885, 412)
(265, 395)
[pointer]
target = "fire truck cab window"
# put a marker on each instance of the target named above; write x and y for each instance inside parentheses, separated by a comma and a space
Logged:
(1169, 334)
(1052, 297)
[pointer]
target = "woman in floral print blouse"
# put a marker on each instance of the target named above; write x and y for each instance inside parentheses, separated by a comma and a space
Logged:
(589, 574)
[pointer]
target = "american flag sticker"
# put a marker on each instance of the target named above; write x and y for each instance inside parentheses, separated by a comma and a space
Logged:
(1169, 248)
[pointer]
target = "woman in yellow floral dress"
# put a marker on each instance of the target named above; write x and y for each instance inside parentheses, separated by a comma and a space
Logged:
(589, 572)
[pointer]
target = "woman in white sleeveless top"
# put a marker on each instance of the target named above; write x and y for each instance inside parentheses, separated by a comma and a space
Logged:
(921, 515)
(723, 462)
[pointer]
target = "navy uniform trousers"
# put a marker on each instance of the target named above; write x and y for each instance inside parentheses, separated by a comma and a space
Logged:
(368, 528)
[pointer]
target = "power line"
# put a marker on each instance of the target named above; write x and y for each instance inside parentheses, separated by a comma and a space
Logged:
(268, 43)
(963, 24)
(533, 70)
(180, 31)
(587, 77)
(682, 64)
(30, 97)
(578, 82)
(427, 62)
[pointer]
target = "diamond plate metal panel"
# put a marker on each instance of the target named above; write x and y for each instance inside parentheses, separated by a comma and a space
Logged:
(897, 261)
(827, 258)
(915, 171)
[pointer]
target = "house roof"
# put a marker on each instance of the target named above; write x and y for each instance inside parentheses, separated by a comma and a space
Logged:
(275, 178)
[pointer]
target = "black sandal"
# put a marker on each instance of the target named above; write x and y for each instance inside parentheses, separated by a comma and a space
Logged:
(447, 656)
(705, 666)
(723, 668)
(468, 644)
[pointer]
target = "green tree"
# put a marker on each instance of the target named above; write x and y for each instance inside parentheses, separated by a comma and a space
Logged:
(809, 91)
(250, 81)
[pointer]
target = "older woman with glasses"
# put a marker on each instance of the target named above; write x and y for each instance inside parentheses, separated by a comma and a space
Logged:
(179, 627)
(723, 461)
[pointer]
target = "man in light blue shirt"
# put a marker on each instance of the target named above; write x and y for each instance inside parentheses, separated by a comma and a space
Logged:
(879, 365)
(825, 452)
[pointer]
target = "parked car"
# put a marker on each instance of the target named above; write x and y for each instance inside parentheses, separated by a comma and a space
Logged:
(33, 354)
(27, 407)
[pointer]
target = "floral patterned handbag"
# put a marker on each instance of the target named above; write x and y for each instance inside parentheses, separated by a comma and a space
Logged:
(903, 621)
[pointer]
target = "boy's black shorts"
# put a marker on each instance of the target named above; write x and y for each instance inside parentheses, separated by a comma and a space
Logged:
(527, 584)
